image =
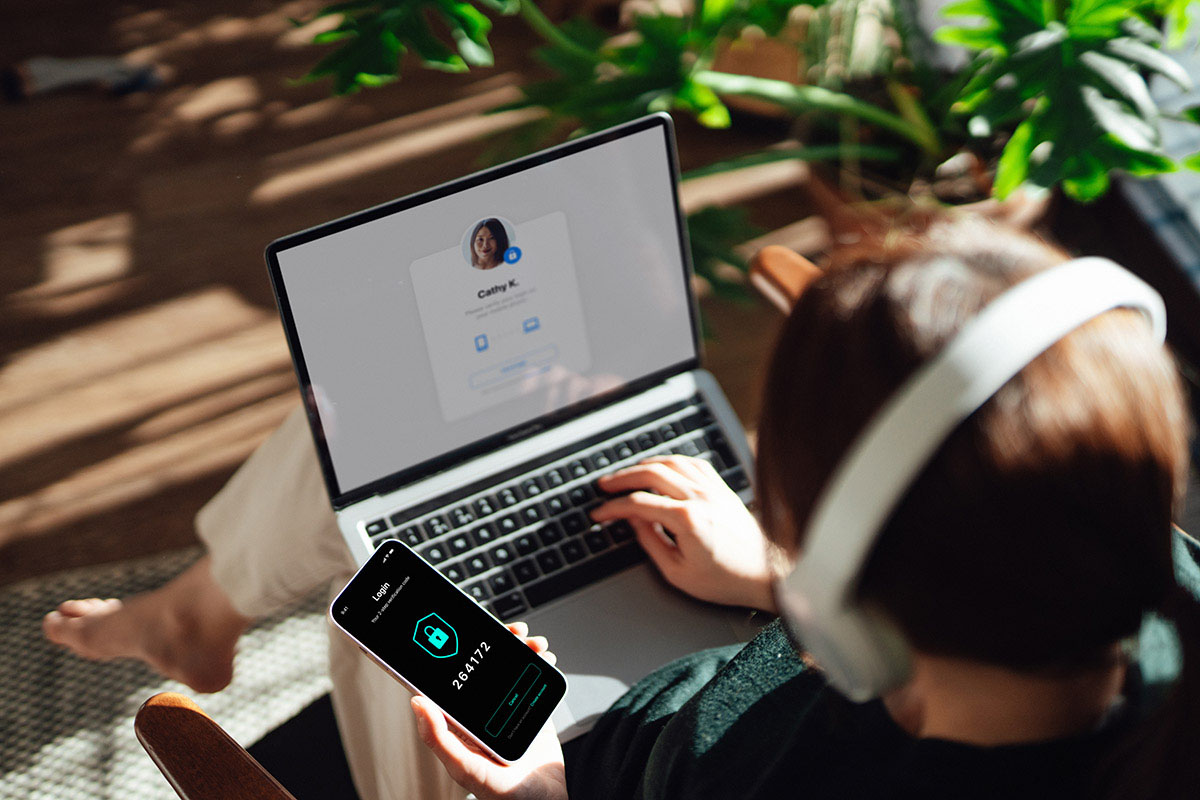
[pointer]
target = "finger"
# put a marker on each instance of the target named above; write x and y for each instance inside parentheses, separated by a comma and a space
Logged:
(550, 657)
(653, 476)
(706, 467)
(687, 466)
(519, 629)
(642, 505)
(465, 767)
(538, 644)
(664, 555)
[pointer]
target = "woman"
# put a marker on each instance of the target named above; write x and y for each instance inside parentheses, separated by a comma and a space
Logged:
(489, 242)
(1018, 569)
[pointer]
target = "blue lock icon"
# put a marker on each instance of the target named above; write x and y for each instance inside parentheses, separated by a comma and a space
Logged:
(436, 636)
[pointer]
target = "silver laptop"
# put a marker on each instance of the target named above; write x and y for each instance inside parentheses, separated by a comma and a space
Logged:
(475, 355)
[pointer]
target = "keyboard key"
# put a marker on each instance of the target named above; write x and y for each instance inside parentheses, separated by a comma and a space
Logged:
(596, 540)
(501, 582)
(572, 550)
(434, 553)
(575, 522)
(509, 606)
(478, 590)
(720, 445)
(477, 564)
(549, 534)
(454, 572)
(626, 449)
(549, 561)
(692, 422)
(689, 448)
(483, 534)
(399, 518)
(669, 431)
(711, 458)
(525, 571)
(411, 536)
(581, 495)
(525, 544)
(460, 544)
(509, 496)
(736, 478)
(555, 505)
(620, 531)
(508, 524)
(502, 554)
(377, 527)
(555, 477)
(484, 506)
(601, 460)
(436, 526)
(647, 440)
(577, 469)
(532, 487)
(462, 516)
(584, 574)
(532, 513)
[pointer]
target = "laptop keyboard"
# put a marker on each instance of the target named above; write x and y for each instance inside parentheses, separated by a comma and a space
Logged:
(523, 538)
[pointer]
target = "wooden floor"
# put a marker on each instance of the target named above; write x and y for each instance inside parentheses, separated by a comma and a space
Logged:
(141, 355)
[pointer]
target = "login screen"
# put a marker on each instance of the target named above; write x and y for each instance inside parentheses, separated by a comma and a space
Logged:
(498, 333)
(450, 649)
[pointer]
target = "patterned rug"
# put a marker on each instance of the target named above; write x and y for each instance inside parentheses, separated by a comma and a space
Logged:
(66, 724)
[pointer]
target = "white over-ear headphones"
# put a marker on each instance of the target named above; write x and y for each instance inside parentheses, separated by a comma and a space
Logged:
(862, 653)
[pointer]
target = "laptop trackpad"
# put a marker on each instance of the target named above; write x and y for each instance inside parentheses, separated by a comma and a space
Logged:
(610, 635)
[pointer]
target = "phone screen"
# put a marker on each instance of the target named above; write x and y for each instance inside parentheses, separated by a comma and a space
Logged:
(450, 649)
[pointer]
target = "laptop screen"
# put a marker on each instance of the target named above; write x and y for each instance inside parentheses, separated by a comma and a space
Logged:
(453, 319)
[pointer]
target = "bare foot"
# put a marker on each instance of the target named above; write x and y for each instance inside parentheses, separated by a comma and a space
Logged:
(186, 630)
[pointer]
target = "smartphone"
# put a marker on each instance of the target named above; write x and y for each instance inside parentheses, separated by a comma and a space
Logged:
(436, 640)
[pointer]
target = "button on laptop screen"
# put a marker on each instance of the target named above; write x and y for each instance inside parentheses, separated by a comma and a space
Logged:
(437, 326)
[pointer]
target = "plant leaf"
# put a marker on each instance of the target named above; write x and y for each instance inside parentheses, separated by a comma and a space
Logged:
(1013, 166)
(1125, 81)
(1112, 117)
(1144, 55)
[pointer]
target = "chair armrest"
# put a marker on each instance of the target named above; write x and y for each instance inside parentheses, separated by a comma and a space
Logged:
(195, 754)
(781, 274)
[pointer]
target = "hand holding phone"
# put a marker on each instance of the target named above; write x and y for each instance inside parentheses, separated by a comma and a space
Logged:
(436, 640)
(540, 773)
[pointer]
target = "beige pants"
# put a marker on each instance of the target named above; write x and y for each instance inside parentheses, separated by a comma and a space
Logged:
(273, 539)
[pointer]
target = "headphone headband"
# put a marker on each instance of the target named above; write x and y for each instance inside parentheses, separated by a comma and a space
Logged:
(862, 655)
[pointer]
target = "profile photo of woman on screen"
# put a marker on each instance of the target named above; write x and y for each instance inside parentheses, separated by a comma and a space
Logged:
(489, 242)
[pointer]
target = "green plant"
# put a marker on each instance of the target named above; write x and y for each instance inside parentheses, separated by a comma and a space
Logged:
(1056, 87)
(1067, 80)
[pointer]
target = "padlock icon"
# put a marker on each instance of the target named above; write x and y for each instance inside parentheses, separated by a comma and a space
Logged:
(436, 636)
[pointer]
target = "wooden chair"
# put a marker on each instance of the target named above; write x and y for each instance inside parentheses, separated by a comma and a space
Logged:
(780, 275)
(198, 758)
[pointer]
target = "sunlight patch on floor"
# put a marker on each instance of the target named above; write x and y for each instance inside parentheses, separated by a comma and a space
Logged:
(142, 471)
(422, 138)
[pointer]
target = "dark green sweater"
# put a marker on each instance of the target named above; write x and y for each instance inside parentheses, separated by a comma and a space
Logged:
(758, 723)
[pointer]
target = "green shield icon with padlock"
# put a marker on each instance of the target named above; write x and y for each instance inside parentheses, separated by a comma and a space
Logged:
(436, 636)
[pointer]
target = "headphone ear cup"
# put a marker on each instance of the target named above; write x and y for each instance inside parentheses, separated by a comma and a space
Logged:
(862, 654)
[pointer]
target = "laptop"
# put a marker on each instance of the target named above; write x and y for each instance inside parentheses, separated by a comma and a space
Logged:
(473, 356)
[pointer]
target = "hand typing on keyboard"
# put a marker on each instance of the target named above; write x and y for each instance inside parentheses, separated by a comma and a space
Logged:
(719, 552)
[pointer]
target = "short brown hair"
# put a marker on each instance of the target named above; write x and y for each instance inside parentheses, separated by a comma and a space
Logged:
(1039, 533)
